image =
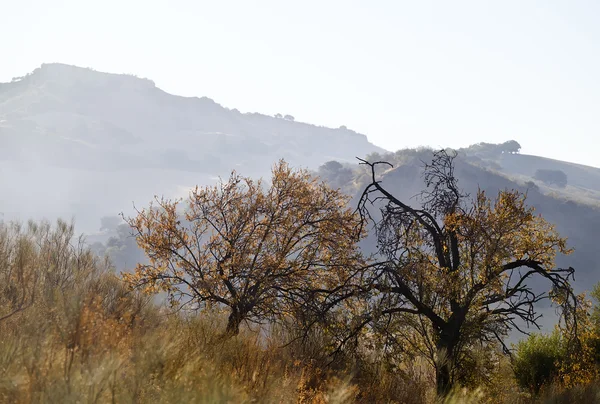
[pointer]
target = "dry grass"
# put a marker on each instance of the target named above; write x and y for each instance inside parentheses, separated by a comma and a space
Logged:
(72, 333)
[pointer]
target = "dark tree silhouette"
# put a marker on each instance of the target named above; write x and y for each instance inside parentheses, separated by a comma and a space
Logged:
(453, 272)
(512, 146)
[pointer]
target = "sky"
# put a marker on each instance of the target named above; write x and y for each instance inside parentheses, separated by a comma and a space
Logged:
(405, 73)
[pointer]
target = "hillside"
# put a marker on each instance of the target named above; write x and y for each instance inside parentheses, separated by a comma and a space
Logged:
(93, 142)
(76, 142)
(581, 182)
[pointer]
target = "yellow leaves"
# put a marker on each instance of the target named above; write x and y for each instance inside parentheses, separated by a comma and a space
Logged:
(493, 233)
(580, 367)
(242, 237)
(487, 235)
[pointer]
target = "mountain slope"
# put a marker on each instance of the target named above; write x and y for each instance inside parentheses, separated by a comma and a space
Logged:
(581, 182)
(578, 221)
(78, 142)
(68, 132)
(89, 113)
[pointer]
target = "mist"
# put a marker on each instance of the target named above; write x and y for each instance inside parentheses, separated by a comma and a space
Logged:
(81, 144)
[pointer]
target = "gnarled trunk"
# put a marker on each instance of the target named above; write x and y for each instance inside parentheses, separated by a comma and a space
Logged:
(443, 380)
(446, 358)
(233, 323)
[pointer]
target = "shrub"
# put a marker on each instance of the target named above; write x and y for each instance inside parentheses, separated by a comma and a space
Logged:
(550, 177)
(537, 361)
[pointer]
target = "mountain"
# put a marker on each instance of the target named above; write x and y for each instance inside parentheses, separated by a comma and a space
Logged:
(92, 142)
(74, 141)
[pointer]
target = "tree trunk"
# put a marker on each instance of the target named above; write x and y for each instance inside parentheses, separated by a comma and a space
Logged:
(442, 376)
(233, 324)
(446, 359)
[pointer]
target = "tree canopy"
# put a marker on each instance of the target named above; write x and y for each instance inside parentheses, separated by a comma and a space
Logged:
(453, 272)
(254, 249)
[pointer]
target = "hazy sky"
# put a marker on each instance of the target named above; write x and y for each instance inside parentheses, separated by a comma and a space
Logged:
(406, 73)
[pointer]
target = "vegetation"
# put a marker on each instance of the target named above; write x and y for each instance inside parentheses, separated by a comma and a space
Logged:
(537, 361)
(84, 337)
(490, 150)
(281, 271)
(453, 274)
(550, 177)
(258, 252)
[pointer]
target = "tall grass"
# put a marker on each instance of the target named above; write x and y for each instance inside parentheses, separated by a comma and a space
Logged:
(70, 332)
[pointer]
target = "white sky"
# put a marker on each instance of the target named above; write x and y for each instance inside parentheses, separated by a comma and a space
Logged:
(406, 73)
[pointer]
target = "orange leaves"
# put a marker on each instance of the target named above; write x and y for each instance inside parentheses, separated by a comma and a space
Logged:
(245, 245)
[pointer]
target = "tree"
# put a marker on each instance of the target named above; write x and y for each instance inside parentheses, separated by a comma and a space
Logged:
(256, 251)
(558, 359)
(332, 166)
(278, 116)
(512, 146)
(121, 248)
(453, 272)
(550, 177)
(288, 118)
(336, 174)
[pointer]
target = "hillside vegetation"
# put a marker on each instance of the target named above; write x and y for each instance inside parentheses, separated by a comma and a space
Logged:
(404, 277)
(316, 319)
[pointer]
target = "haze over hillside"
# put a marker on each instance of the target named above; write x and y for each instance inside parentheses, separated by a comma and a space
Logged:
(76, 142)
(92, 143)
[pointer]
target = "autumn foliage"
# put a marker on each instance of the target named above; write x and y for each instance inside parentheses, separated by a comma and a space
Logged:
(256, 249)
(452, 273)
(273, 298)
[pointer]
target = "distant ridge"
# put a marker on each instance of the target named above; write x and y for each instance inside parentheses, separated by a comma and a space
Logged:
(79, 111)
(93, 143)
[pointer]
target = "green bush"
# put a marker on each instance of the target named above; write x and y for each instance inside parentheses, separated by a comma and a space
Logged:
(537, 360)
